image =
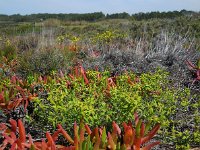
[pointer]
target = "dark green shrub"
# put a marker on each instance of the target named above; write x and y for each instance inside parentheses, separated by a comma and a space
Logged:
(44, 61)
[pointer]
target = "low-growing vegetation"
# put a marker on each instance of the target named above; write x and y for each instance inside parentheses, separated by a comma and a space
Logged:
(98, 71)
(98, 138)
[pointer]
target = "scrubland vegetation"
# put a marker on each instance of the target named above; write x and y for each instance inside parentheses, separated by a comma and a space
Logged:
(81, 81)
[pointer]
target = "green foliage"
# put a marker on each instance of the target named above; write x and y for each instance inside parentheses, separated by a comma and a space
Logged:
(100, 102)
(7, 49)
(182, 139)
(67, 38)
(108, 37)
(169, 14)
(44, 46)
(118, 16)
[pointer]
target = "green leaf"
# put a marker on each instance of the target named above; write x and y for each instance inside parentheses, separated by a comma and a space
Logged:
(138, 128)
(104, 137)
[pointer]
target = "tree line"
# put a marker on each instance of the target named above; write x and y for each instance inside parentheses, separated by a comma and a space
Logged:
(94, 16)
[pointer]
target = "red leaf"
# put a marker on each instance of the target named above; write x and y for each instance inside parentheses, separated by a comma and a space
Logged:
(2, 97)
(14, 146)
(136, 80)
(76, 71)
(111, 142)
(56, 134)
(30, 144)
(45, 79)
(3, 127)
(26, 105)
(97, 143)
(19, 88)
(20, 145)
(10, 139)
(13, 79)
(4, 144)
(68, 84)
(14, 104)
(11, 93)
(76, 142)
(151, 133)
(76, 137)
(111, 82)
(71, 76)
(124, 125)
(149, 146)
(116, 128)
(128, 135)
(137, 143)
(50, 142)
(198, 74)
(94, 133)
(44, 145)
(116, 131)
(88, 130)
(13, 124)
(84, 75)
(96, 68)
(136, 118)
(20, 82)
(22, 133)
(142, 129)
(129, 81)
(65, 134)
(191, 64)
(99, 76)
(82, 132)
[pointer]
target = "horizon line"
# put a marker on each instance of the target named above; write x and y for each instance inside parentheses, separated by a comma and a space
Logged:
(195, 11)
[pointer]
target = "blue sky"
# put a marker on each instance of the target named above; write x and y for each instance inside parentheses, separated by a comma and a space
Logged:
(86, 6)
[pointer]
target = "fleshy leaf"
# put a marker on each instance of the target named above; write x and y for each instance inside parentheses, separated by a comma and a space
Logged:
(13, 124)
(111, 142)
(84, 75)
(104, 137)
(151, 133)
(88, 130)
(128, 135)
(50, 142)
(66, 135)
(136, 118)
(137, 128)
(149, 146)
(142, 129)
(22, 133)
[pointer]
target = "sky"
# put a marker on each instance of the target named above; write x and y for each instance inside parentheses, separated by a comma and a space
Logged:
(24, 7)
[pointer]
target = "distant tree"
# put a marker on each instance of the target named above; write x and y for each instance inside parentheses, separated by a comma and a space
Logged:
(95, 16)
(4, 17)
(161, 15)
(123, 15)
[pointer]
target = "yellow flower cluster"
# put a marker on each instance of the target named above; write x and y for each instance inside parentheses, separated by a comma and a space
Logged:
(7, 42)
(108, 36)
(68, 37)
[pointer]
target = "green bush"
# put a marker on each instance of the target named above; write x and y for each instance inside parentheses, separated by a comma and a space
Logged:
(97, 104)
